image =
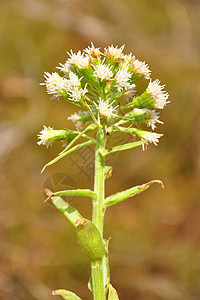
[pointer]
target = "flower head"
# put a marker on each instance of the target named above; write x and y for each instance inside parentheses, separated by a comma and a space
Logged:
(48, 135)
(44, 136)
(80, 118)
(81, 61)
(141, 68)
(151, 137)
(92, 51)
(102, 72)
(65, 68)
(155, 90)
(55, 84)
(74, 81)
(122, 78)
(153, 118)
(76, 94)
(115, 52)
(106, 109)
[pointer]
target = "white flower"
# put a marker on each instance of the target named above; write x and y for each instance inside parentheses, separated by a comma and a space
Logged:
(45, 136)
(156, 91)
(102, 72)
(75, 118)
(153, 118)
(92, 51)
(141, 68)
(77, 94)
(150, 117)
(65, 68)
(129, 94)
(115, 52)
(78, 59)
(151, 137)
(73, 81)
(55, 84)
(122, 77)
(129, 59)
(106, 109)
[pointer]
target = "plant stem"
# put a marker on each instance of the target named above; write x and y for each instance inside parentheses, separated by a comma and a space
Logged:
(98, 214)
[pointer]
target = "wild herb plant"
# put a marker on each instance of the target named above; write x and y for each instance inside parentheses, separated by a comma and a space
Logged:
(102, 84)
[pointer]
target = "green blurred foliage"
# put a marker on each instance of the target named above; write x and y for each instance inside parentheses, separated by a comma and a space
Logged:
(155, 245)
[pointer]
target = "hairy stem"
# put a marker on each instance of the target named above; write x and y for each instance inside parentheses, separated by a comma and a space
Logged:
(98, 287)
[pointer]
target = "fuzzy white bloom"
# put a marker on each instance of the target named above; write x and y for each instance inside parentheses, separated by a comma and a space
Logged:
(129, 59)
(65, 68)
(78, 59)
(75, 118)
(151, 137)
(156, 90)
(76, 94)
(142, 68)
(106, 109)
(115, 52)
(129, 94)
(92, 51)
(74, 81)
(102, 72)
(55, 84)
(44, 136)
(122, 77)
(153, 118)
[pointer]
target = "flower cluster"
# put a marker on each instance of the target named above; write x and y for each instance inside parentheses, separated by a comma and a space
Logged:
(99, 80)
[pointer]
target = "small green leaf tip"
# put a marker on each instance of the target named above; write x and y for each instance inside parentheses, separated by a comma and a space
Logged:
(90, 240)
(67, 295)
(112, 293)
(121, 196)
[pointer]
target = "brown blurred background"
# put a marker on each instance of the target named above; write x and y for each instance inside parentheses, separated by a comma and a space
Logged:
(155, 245)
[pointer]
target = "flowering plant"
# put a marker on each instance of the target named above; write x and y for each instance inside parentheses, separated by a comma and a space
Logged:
(103, 85)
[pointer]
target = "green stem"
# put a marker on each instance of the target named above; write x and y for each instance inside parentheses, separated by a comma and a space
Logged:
(98, 288)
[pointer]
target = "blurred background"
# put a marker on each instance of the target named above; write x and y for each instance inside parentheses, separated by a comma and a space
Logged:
(155, 245)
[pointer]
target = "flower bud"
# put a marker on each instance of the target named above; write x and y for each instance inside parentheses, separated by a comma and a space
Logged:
(48, 135)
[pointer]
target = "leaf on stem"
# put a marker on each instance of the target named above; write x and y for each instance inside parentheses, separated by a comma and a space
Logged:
(78, 192)
(57, 158)
(68, 211)
(112, 293)
(123, 147)
(90, 239)
(82, 133)
(67, 295)
(121, 196)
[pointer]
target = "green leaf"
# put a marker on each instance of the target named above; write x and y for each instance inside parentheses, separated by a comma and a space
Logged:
(121, 196)
(67, 295)
(112, 293)
(79, 134)
(66, 153)
(123, 147)
(90, 239)
(78, 192)
(68, 211)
